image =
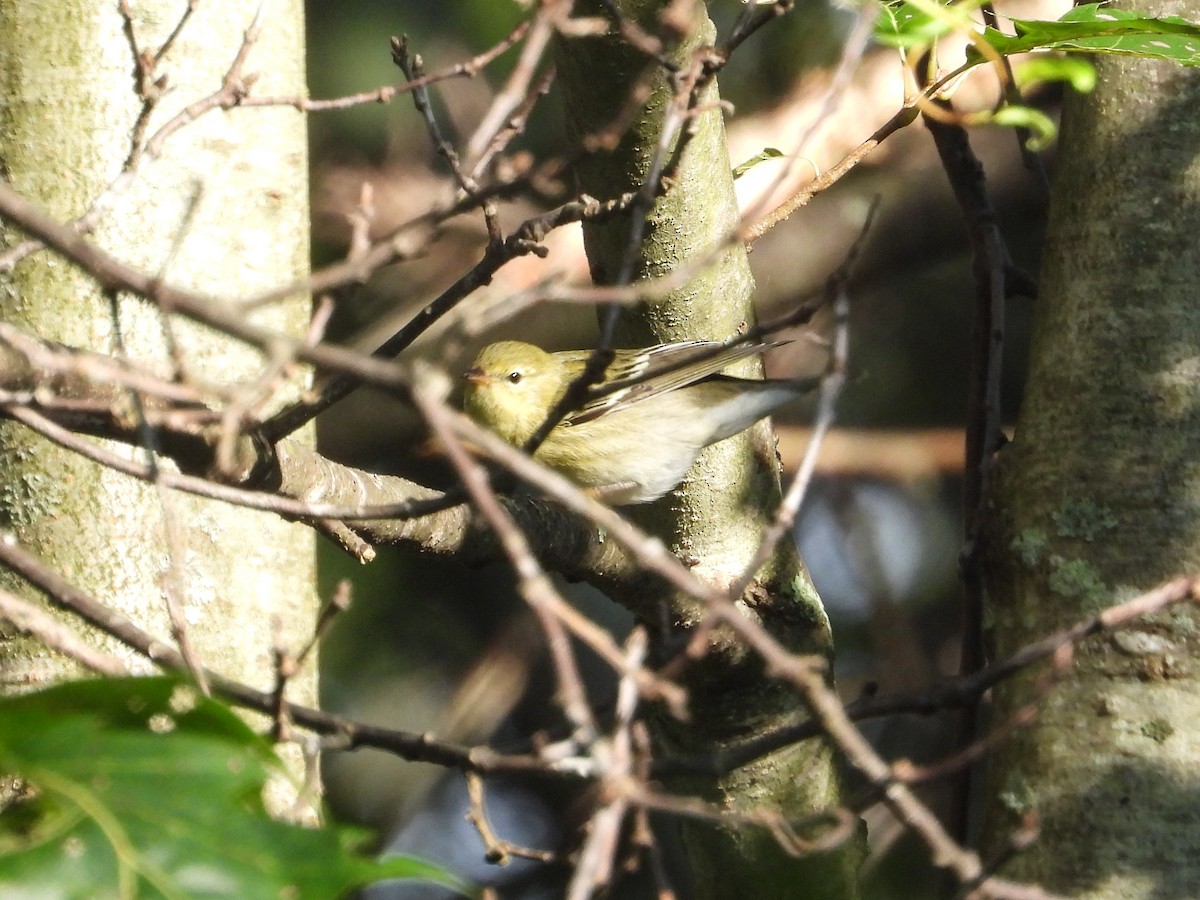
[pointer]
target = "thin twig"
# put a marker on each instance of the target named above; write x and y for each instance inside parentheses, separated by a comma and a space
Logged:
(235, 86)
(412, 67)
(831, 389)
(468, 69)
(515, 92)
(984, 436)
(534, 583)
(114, 274)
(594, 864)
(513, 125)
(348, 733)
(173, 592)
(496, 850)
(55, 635)
(753, 17)
(831, 176)
(853, 50)
(526, 239)
(953, 693)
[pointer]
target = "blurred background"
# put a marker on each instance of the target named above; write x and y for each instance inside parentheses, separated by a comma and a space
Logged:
(429, 646)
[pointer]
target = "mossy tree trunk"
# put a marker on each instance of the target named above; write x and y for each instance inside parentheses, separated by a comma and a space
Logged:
(1097, 500)
(716, 518)
(223, 210)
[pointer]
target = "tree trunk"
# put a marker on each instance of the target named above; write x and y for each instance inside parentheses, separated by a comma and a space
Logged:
(1097, 499)
(222, 209)
(717, 517)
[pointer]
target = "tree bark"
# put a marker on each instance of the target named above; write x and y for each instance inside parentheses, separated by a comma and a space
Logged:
(716, 518)
(1097, 500)
(221, 209)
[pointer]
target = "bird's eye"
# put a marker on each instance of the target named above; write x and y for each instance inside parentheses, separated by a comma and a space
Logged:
(514, 377)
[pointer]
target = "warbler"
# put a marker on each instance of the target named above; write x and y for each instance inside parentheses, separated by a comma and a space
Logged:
(640, 428)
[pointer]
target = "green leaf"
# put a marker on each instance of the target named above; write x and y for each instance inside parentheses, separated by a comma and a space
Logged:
(146, 789)
(1074, 70)
(767, 153)
(918, 23)
(1096, 28)
(904, 24)
(1040, 125)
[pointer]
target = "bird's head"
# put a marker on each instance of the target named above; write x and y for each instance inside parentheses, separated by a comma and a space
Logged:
(511, 388)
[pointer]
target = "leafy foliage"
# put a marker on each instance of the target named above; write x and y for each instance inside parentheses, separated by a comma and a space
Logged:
(762, 156)
(1039, 125)
(1079, 73)
(917, 23)
(914, 25)
(1090, 28)
(141, 787)
(1097, 28)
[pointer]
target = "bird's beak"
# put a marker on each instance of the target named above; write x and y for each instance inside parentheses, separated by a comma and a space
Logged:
(476, 375)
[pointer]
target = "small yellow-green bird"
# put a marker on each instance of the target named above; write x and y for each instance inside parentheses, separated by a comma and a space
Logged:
(641, 427)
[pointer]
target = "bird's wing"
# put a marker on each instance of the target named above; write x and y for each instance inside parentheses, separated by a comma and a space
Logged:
(656, 370)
